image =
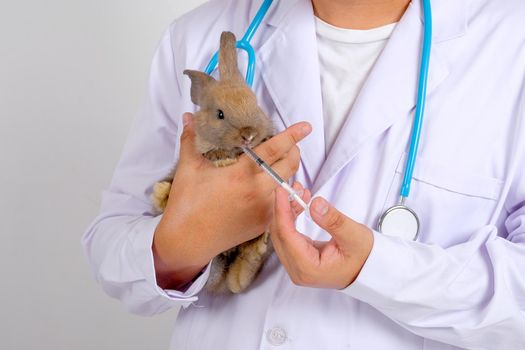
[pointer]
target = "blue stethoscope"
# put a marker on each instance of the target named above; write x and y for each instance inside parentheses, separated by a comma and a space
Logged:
(398, 220)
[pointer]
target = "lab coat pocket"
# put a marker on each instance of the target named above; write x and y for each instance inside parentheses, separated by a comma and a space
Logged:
(452, 202)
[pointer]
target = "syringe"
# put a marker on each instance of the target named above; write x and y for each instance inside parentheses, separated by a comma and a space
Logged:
(262, 164)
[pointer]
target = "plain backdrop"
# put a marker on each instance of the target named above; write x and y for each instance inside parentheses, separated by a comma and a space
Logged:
(72, 78)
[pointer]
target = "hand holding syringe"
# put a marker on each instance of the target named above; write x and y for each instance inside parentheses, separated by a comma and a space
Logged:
(262, 164)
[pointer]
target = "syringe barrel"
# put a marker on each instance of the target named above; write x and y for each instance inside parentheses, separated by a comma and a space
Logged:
(262, 164)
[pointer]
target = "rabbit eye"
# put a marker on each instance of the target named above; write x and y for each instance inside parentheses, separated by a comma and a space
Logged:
(220, 114)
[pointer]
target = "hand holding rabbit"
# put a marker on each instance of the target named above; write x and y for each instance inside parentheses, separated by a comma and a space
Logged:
(213, 209)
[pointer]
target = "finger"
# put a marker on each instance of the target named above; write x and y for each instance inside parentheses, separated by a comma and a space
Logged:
(289, 241)
(289, 164)
(283, 212)
(281, 222)
(305, 196)
(338, 225)
(320, 244)
(275, 148)
(296, 207)
(284, 168)
(188, 151)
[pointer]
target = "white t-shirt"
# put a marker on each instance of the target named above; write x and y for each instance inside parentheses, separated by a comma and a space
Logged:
(346, 56)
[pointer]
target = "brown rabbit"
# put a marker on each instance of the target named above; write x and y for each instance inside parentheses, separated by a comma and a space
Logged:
(229, 117)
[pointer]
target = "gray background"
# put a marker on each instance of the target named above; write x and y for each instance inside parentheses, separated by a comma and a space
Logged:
(72, 78)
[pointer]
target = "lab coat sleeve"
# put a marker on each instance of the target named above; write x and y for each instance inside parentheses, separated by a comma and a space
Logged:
(471, 295)
(118, 242)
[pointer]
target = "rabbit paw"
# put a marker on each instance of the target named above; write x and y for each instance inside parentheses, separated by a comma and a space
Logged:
(216, 283)
(248, 263)
(221, 157)
(160, 195)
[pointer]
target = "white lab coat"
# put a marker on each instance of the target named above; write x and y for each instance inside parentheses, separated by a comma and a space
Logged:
(462, 285)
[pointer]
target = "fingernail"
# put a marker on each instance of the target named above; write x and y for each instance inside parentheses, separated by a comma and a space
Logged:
(186, 119)
(306, 129)
(321, 207)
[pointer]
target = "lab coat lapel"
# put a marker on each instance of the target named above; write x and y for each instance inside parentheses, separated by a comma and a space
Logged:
(290, 71)
(388, 95)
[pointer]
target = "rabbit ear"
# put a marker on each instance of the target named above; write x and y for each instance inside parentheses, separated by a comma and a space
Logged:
(228, 57)
(199, 81)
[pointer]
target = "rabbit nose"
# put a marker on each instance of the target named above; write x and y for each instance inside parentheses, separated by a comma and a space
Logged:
(248, 134)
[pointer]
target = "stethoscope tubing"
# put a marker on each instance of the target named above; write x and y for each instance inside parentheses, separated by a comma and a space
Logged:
(421, 100)
(244, 44)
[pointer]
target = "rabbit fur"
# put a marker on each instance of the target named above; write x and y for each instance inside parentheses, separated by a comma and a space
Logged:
(228, 118)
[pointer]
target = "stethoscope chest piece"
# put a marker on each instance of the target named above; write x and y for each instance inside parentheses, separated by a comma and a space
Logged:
(400, 221)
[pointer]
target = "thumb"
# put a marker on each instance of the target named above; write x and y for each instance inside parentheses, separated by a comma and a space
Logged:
(188, 152)
(338, 225)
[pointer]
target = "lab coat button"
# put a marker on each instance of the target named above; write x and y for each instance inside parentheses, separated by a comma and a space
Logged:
(276, 336)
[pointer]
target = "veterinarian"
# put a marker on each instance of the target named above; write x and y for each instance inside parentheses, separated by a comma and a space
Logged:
(339, 80)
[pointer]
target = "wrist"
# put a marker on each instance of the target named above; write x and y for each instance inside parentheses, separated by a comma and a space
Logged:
(175, 263)
(363, 241)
